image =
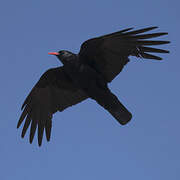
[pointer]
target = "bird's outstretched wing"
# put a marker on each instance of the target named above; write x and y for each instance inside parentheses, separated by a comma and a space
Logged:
(53, 92)
(109, 53)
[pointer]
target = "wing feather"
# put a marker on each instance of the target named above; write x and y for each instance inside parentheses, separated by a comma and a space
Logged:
(53, 92)
(109, 54)
(154, 50)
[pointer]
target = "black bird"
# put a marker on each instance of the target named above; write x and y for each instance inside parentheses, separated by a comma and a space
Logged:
(86, 75)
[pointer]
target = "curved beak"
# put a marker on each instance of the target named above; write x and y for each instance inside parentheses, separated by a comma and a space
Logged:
(53, 53)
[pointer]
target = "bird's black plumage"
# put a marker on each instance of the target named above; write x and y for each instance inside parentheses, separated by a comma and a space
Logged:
(86, 75)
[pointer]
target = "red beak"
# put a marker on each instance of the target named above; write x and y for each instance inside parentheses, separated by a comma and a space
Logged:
(53, 53)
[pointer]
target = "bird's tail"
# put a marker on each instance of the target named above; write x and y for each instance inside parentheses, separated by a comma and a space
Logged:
(111, 103)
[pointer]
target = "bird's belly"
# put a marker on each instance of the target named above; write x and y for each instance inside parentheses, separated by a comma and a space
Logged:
(85, 80)
(88, 79)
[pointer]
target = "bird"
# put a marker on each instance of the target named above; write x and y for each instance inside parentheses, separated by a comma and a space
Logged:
(86, 75)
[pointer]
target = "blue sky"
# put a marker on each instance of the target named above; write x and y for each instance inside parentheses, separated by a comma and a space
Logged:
(87, 143)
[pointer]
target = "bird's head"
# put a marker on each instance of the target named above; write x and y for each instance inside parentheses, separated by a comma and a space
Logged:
(64, 56)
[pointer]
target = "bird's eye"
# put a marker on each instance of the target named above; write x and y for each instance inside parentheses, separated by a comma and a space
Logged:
(61, 52)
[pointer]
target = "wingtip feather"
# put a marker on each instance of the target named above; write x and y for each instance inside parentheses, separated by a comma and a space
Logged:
(48, 128)
(153, 50)
(125, 30)
(142, 43)
(150, 56)
(22, 117)
(141, 30)
(40, 133)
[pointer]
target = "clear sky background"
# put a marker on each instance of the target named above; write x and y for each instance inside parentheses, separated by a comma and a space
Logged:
(87, 143)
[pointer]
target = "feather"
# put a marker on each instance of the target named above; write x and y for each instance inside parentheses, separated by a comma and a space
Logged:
(155, 50)
(149, 56)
